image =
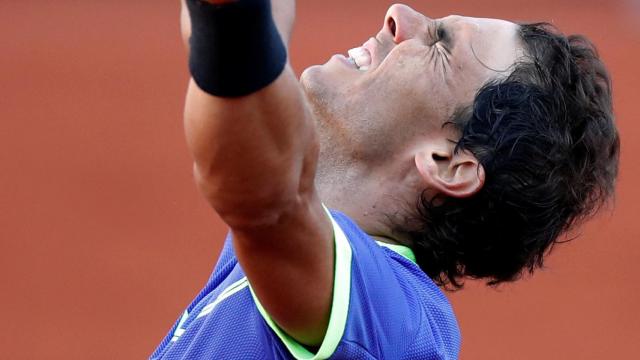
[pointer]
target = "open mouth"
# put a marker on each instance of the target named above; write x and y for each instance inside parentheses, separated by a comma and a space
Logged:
(360, 57)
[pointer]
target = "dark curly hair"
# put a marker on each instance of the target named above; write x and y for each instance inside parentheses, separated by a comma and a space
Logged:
(546, 138)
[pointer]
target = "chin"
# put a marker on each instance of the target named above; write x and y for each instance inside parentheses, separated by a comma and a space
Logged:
(316, 84)
(315, 75)
(329, 75)
(307, 77)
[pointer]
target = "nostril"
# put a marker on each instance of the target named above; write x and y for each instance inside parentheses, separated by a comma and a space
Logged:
(392, 25)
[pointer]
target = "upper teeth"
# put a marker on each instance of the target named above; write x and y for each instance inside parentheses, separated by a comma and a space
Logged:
(361, 57)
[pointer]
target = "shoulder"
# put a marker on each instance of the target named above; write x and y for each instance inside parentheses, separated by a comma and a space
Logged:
(401, 308)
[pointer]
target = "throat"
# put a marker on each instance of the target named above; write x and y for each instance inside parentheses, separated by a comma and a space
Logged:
(379, 198)
(363, 201)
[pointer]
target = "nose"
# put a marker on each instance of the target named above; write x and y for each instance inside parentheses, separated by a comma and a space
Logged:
(403, 23)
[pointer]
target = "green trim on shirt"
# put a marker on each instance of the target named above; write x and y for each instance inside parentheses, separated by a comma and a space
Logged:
(402, 250)
(339, 304)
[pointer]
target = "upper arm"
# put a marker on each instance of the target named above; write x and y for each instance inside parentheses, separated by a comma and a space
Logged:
(290, 267)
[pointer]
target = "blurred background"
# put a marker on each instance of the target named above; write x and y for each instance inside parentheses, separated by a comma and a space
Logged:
(104, 238)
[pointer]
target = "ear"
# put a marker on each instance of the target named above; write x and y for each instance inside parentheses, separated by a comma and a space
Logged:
(456, 175)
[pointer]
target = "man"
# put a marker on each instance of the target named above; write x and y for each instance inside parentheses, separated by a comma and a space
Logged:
(447, 148)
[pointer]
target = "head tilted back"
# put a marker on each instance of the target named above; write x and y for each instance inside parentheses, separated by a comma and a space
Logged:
(546, 138)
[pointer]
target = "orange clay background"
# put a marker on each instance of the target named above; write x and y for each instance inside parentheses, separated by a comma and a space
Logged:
(105, 239)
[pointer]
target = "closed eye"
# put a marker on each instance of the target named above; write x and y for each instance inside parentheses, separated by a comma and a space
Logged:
(442, 37)
(441, 33)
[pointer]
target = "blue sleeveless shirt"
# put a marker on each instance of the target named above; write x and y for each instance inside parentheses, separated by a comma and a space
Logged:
(383, 307)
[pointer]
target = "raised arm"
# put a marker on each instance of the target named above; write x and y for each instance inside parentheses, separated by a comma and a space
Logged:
(255, 159)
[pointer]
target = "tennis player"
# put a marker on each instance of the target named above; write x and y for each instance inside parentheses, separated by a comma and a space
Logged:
(438, 150)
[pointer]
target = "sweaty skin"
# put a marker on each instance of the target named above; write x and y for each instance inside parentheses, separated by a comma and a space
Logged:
(363, 142)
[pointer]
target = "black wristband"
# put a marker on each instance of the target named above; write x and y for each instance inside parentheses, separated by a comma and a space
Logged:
(235, 47)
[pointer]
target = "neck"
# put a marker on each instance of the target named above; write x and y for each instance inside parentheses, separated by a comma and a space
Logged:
(374, 197)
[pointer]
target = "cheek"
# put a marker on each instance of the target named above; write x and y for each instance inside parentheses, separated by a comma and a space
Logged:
(409, 62)
(407, 90)
(418, 71)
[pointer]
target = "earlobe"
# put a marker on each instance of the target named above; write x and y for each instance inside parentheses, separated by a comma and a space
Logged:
(456, 175)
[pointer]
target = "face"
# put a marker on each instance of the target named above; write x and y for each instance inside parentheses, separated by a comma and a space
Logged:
(399, 87)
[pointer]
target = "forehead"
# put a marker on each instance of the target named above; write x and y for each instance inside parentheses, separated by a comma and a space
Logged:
(494, 42)
(504, 27)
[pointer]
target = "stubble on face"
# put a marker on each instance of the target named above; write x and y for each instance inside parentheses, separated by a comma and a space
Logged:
(321, 102)
(375, 116)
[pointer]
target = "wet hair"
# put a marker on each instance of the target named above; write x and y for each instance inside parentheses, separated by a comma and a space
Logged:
(546, 137)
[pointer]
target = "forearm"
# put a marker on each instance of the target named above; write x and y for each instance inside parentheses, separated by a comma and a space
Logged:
(255, 158)
(254, 154)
